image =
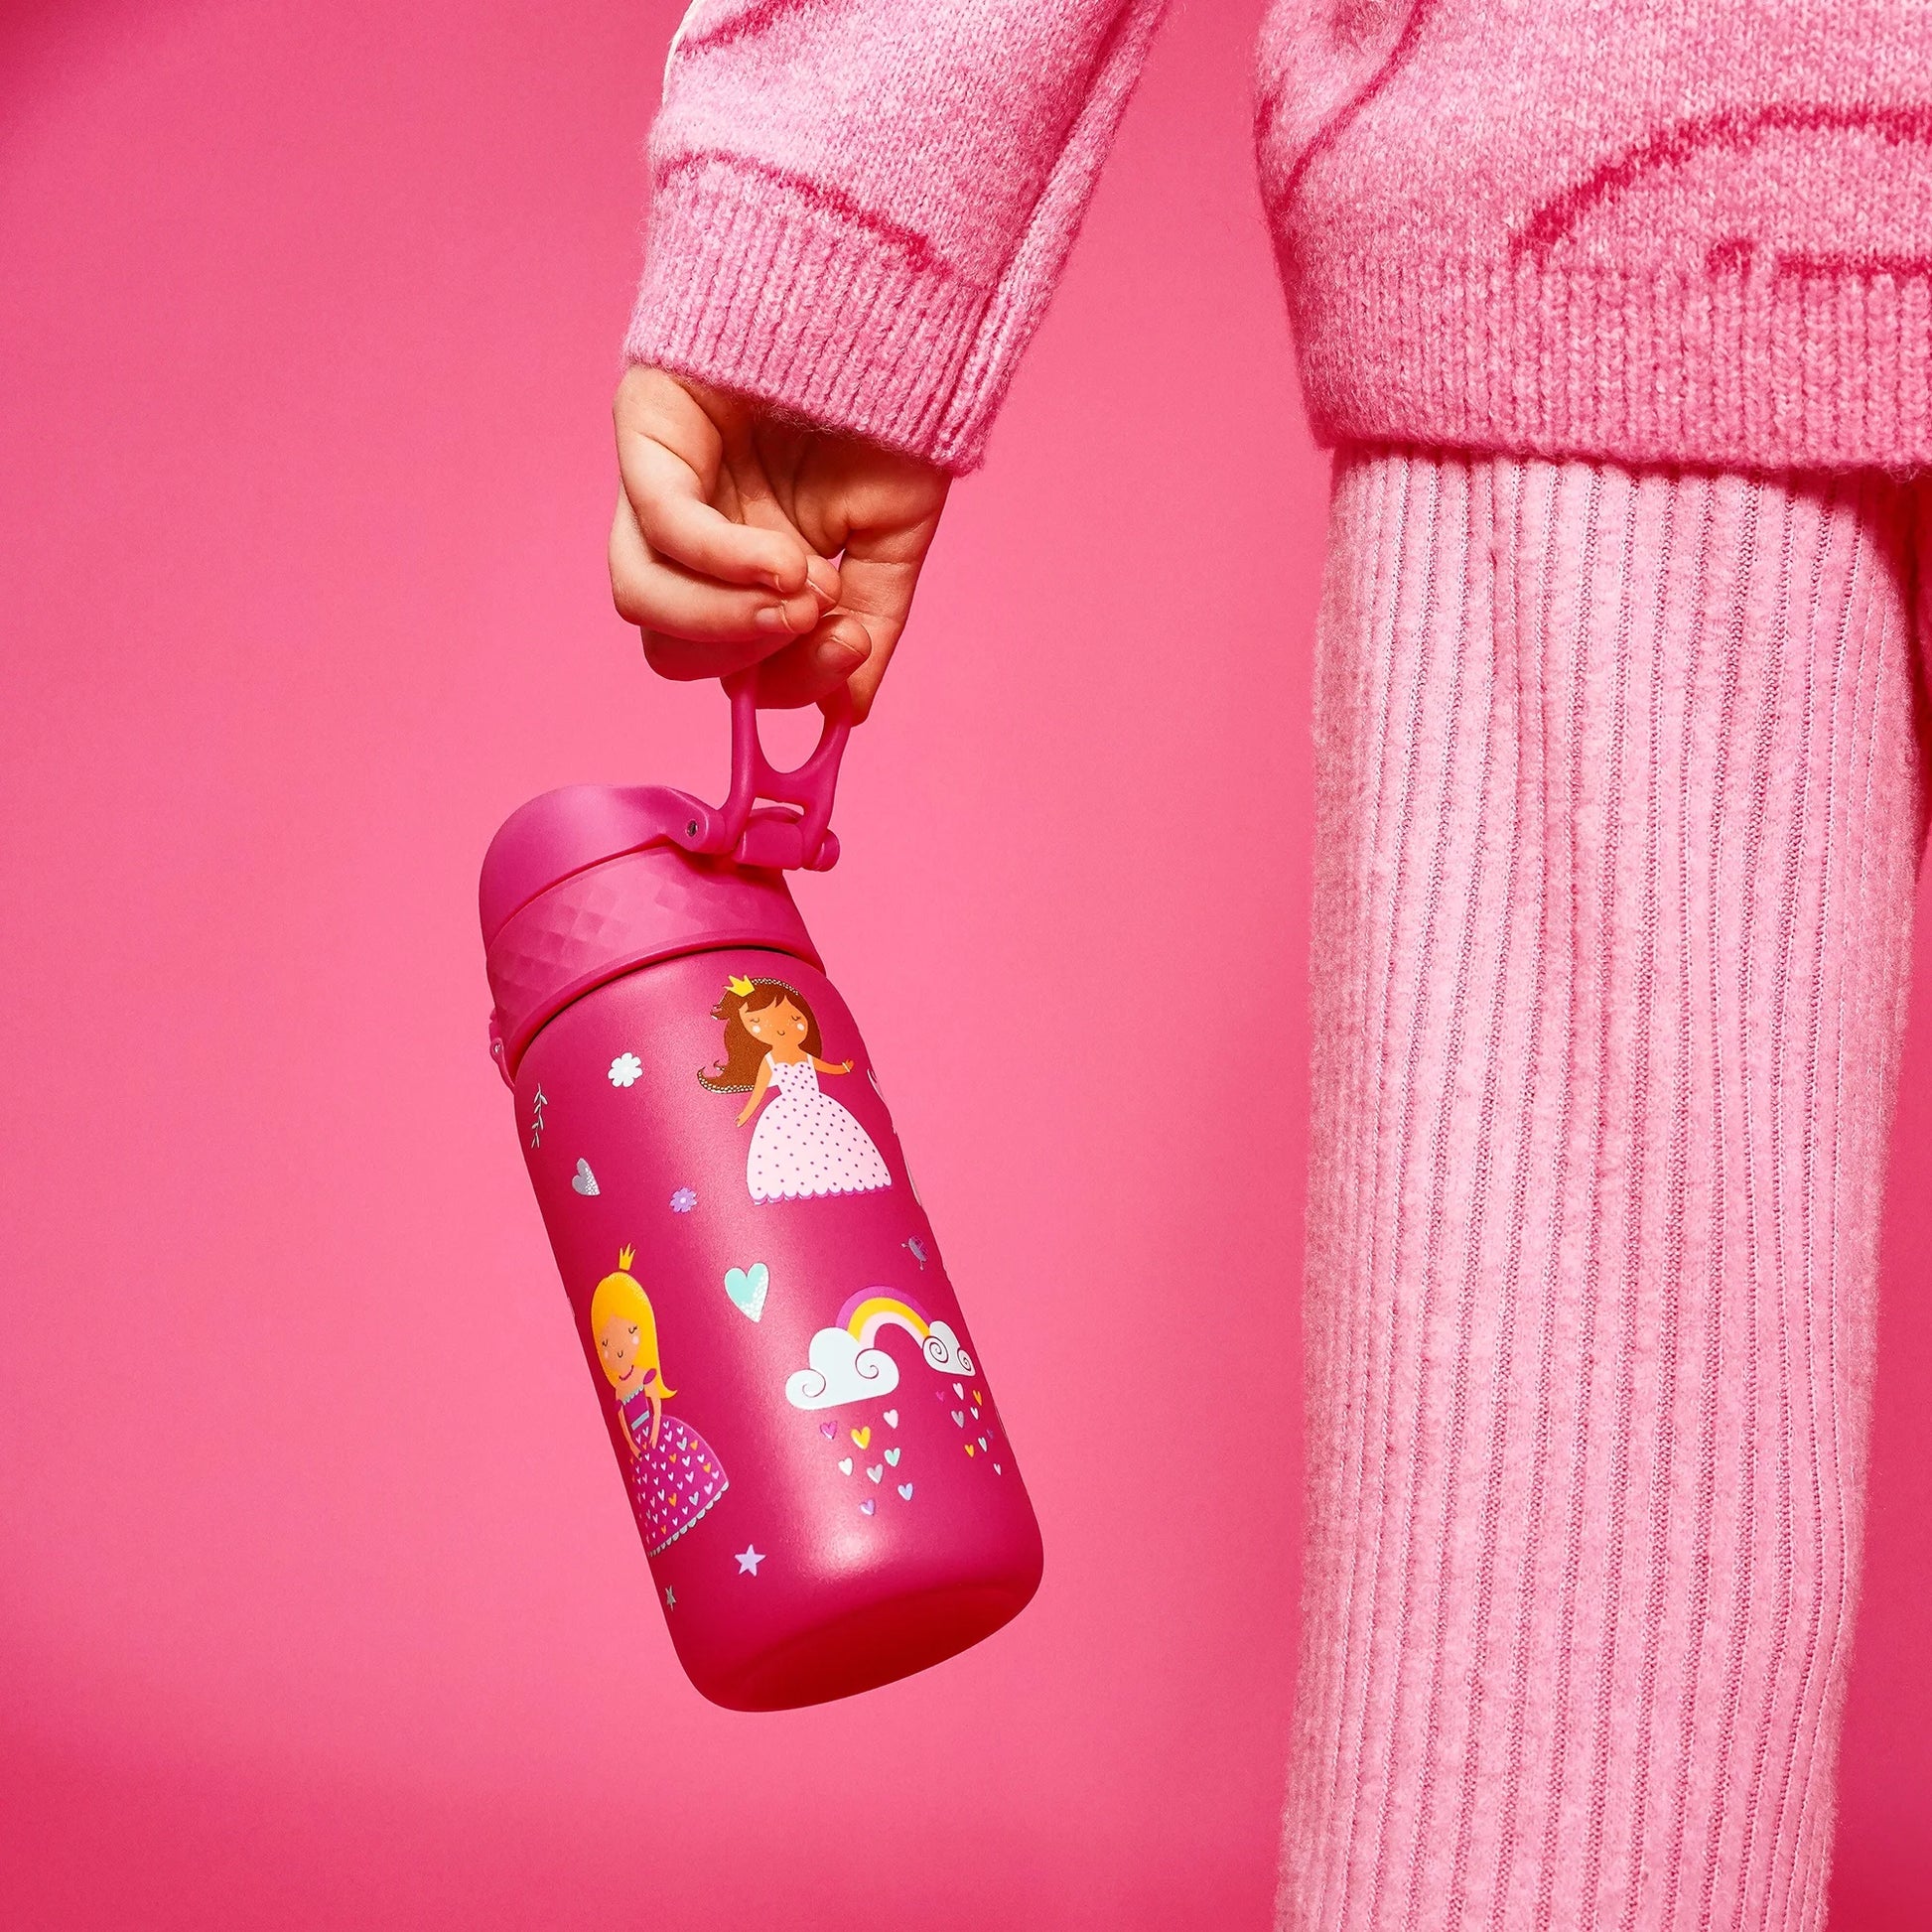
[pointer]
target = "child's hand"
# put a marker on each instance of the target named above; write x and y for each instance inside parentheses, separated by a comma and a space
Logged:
(726, 524)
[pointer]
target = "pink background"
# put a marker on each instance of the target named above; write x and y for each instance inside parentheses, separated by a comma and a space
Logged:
(320, 1605)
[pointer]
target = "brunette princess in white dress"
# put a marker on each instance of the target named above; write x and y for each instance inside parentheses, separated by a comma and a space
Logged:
(804, 1143)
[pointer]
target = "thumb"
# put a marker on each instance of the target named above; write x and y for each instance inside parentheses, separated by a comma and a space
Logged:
(854, 640)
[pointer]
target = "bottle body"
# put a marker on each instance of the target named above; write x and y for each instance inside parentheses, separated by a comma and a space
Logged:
(820, 1476)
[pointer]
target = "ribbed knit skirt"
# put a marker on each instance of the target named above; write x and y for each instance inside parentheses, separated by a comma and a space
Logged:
(1620, 806)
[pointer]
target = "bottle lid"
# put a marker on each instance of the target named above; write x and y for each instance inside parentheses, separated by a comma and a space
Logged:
(589, 882)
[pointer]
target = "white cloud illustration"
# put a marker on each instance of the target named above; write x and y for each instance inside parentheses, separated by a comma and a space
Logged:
(841, 1371)
(942, 1351)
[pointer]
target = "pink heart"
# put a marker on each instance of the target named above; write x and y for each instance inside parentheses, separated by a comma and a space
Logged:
(828, 1429)
(867, 1507)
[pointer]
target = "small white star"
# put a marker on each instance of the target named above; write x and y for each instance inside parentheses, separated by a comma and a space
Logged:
(749, 1558)
(670, 1599)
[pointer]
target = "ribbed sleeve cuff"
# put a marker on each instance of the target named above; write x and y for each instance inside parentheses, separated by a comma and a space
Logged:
(1714, 367)
(778, 287)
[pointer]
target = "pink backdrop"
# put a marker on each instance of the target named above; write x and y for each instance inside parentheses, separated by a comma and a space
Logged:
(320, 1605)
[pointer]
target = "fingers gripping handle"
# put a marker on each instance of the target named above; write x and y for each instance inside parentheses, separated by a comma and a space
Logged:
(794, 832)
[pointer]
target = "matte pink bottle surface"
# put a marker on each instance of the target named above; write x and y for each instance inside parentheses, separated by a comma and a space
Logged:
(800, 1417)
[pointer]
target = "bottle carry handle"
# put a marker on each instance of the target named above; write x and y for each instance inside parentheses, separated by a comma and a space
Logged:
(792, 833)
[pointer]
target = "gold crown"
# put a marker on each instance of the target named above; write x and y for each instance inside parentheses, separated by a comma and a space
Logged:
(739, 985)
(624, 1258)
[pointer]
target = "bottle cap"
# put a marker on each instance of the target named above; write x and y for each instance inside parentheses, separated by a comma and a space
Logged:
(589, 882)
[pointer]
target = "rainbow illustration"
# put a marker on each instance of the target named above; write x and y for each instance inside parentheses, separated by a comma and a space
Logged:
(846, 1363)
(874, 1309)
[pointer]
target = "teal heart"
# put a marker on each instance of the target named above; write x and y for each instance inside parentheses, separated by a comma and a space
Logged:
(746, 1287)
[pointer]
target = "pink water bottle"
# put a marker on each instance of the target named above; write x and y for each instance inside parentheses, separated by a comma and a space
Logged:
(801, 1419)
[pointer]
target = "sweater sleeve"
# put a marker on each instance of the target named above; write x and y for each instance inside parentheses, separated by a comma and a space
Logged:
(859, 208)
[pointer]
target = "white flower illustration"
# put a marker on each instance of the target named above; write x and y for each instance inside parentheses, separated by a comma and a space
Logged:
(624, 1069)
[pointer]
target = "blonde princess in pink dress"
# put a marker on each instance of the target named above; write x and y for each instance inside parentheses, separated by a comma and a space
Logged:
(675, 1474)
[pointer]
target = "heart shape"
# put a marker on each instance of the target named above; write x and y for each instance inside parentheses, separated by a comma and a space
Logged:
(746, 1288)
(828, 1429)
(583, 1180)
(976, 1411)
(892, 1418)
(892, 1457)
(845, 1465)
(969, 1448)
(906, 1492)
(977, 1397)
(959, 1418)
(862, 1437)
(875, 1471)
(959, 1389)
(996, 1469)
(982, 1442)
(867, 1507)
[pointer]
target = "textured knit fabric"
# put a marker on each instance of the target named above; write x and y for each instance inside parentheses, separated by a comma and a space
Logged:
(859, 207)
(1641, 230)
(1620, 804)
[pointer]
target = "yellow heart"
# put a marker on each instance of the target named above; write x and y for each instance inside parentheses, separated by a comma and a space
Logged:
(862, 1437)
(969, 1448)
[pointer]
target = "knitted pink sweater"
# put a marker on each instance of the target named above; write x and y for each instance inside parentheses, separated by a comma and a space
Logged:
(1626, 229)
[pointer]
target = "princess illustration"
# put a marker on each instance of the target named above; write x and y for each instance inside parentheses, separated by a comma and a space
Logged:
(675, 1475)
(805, 1143)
